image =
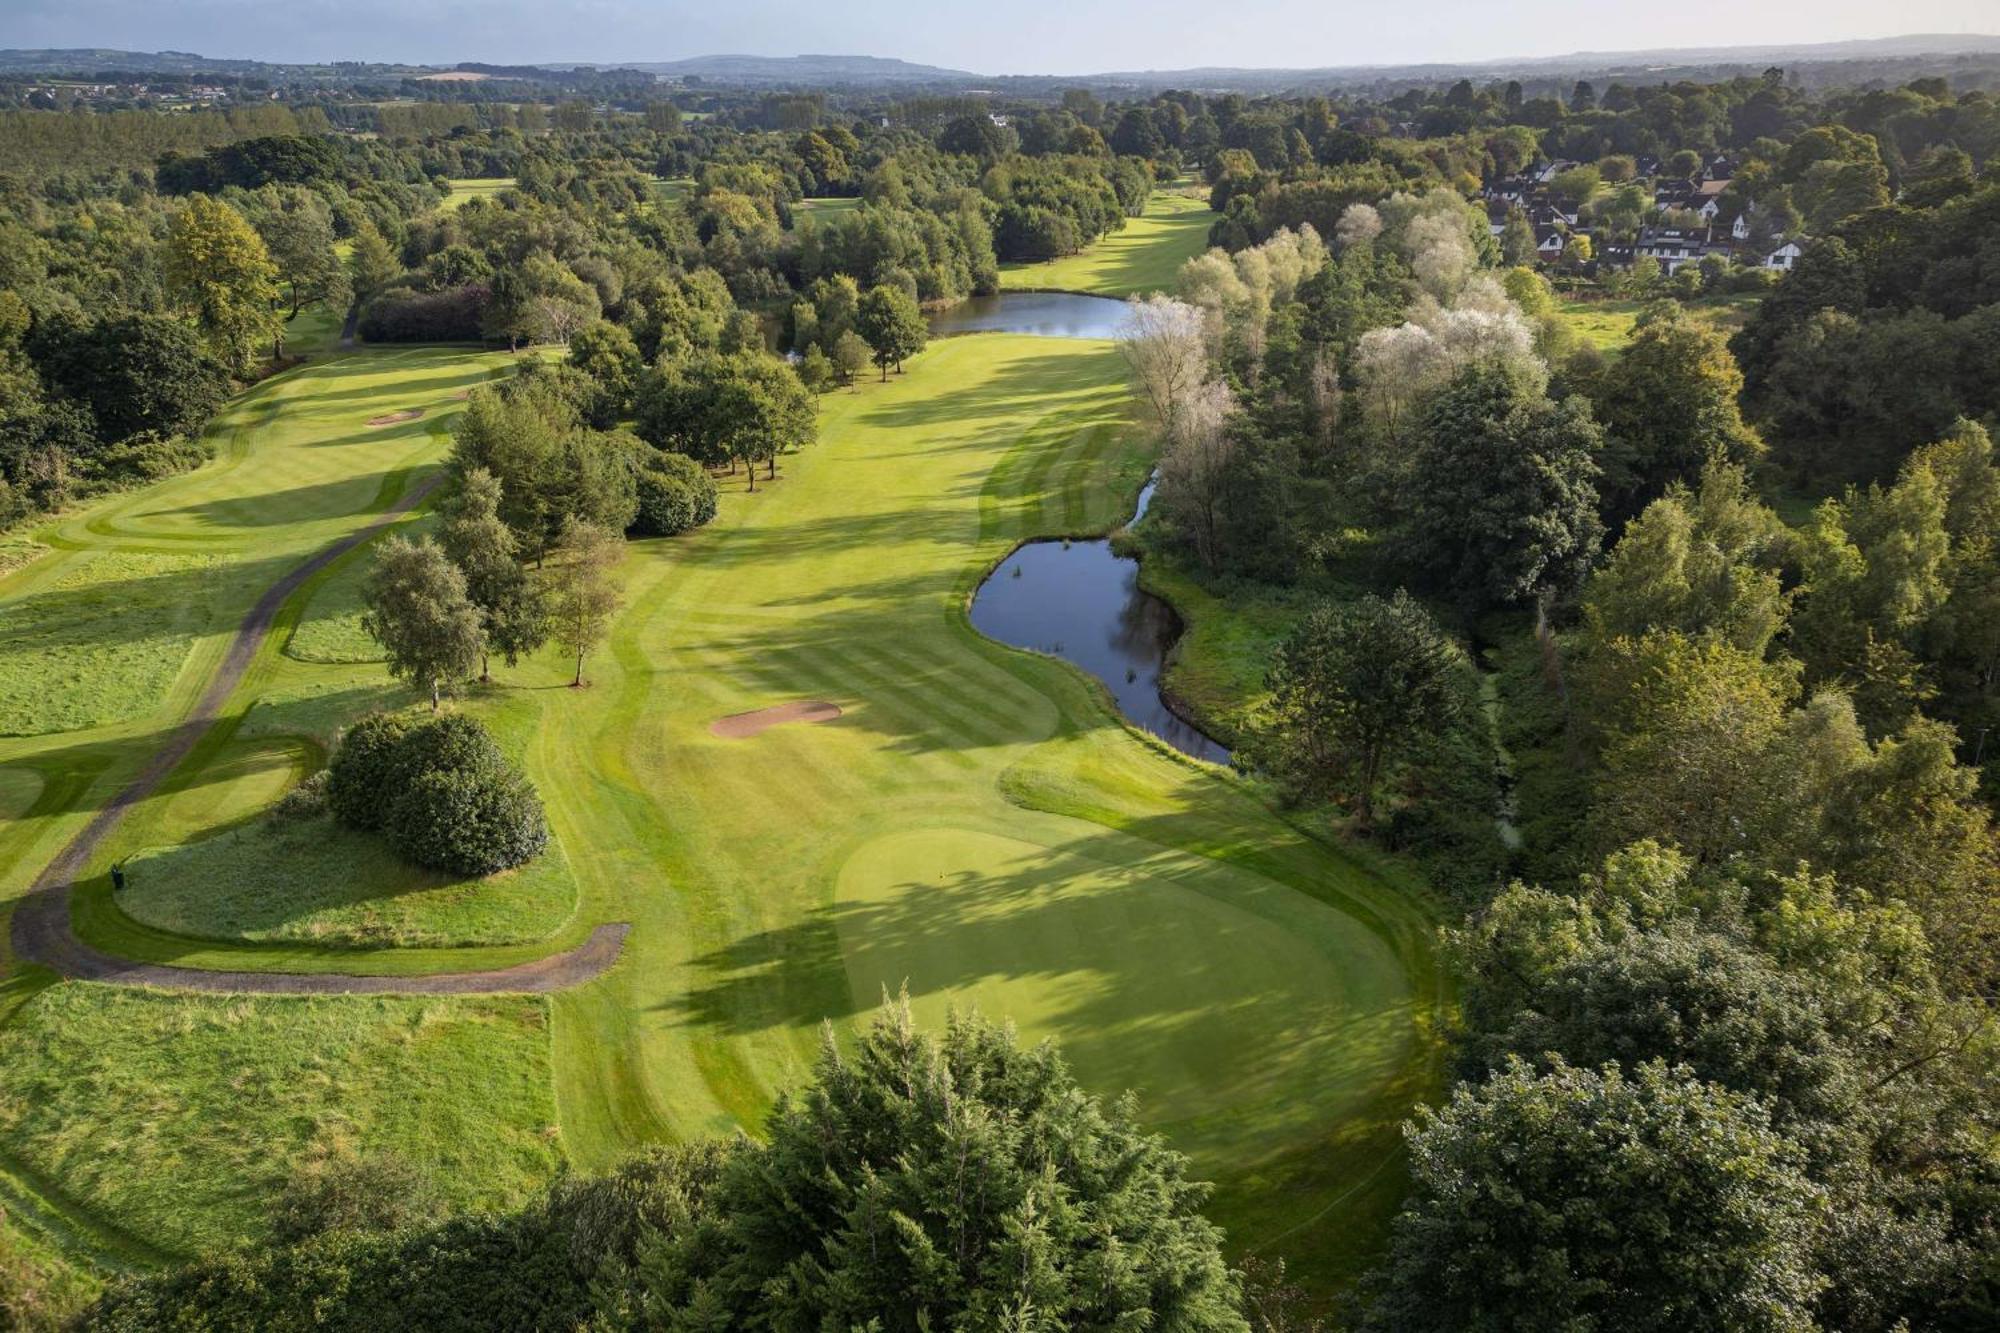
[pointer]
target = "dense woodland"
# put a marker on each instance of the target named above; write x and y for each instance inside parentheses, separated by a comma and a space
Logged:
(1728, 601)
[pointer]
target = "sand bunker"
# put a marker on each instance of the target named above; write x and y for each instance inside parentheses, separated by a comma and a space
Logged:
(396, 418)
(738, 725)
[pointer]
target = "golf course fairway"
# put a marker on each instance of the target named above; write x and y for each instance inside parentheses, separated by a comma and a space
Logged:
(975, 825)
(1145, 255)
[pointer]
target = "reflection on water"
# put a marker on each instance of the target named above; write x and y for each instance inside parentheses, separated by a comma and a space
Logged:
(1082, 603)
(1050, 314)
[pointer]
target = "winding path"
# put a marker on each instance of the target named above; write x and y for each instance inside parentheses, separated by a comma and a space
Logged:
(41, 926)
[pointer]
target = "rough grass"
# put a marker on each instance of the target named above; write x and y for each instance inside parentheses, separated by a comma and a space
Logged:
(1607, 324)
(1145, 255)
(177, 1118)
(102, 642)
(315, 881)
(466, 189)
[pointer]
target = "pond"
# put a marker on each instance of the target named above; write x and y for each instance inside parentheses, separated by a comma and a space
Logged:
(1049, 314)
(1082, 602)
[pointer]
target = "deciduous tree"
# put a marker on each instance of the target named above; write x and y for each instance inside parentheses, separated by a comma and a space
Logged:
(583, 593)
(419, 612)
(221, 274)
(1354, 684)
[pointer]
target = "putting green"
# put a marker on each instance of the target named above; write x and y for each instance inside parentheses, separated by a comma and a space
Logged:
(1246, 1013)
(1144, 255)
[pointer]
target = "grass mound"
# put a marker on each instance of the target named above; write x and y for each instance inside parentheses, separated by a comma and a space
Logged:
(314, 881)
(177, 1118)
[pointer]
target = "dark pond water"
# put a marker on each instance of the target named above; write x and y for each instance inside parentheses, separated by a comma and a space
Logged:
(1050, 314)
(1082, 603)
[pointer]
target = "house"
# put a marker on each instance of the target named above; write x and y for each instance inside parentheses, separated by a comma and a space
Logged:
(1549, 243)
(1781, 259)
(1673, 246)
(1739, 230)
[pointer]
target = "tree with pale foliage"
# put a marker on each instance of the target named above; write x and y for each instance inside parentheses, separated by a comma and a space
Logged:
(1195, 469)
(1163, 339)
(420, 613)
(220, 273)
(583, 592)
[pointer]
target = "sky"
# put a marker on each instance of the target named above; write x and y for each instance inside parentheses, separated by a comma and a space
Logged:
(985, 36)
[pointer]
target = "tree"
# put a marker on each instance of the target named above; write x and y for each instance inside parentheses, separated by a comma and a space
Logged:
(513, 614)
(582, 594)
(419, 612)
(746, 408)
(1166, 342)
(143, 376)
(549, 467)
(298, 231)
(1669, 407)
(1688, 726)
(606, 352)
(815, 371)
(960, 1180)
(217, 269)
(1502, 501)
(892, 325)
(375, 265)
(1702, 562)
(1517, 239)
(1352, 685)
(850, 354)
(1580, 1199)
(1197, 467)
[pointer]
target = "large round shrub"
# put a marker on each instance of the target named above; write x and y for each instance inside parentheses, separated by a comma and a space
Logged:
(469, 821)
(676, 494)
(360, 784)
(450, 742)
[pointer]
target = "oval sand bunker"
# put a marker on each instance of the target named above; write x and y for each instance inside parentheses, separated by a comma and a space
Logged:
(395, 418)
(739, 725)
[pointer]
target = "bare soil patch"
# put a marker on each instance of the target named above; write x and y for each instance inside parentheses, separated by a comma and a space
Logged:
(396, 418)
(738, 726)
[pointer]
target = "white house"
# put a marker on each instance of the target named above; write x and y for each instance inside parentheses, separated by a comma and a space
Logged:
(1782, 258)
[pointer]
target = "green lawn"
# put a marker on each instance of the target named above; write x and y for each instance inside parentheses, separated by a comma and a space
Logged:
(315, 881)
(170, 1121)
(1145, 255)
(977, 825)
(1607, 323)
(465, 190)
(329, 628)
(827, 207)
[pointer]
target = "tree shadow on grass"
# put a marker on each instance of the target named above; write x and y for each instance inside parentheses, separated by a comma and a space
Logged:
(1146, 987)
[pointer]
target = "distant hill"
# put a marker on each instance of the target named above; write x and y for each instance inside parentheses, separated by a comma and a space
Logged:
(1903, 56)
(802, 70)
(1608, 62)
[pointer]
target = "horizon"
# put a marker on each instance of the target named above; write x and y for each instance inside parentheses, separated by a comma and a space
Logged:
(1104, 36)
